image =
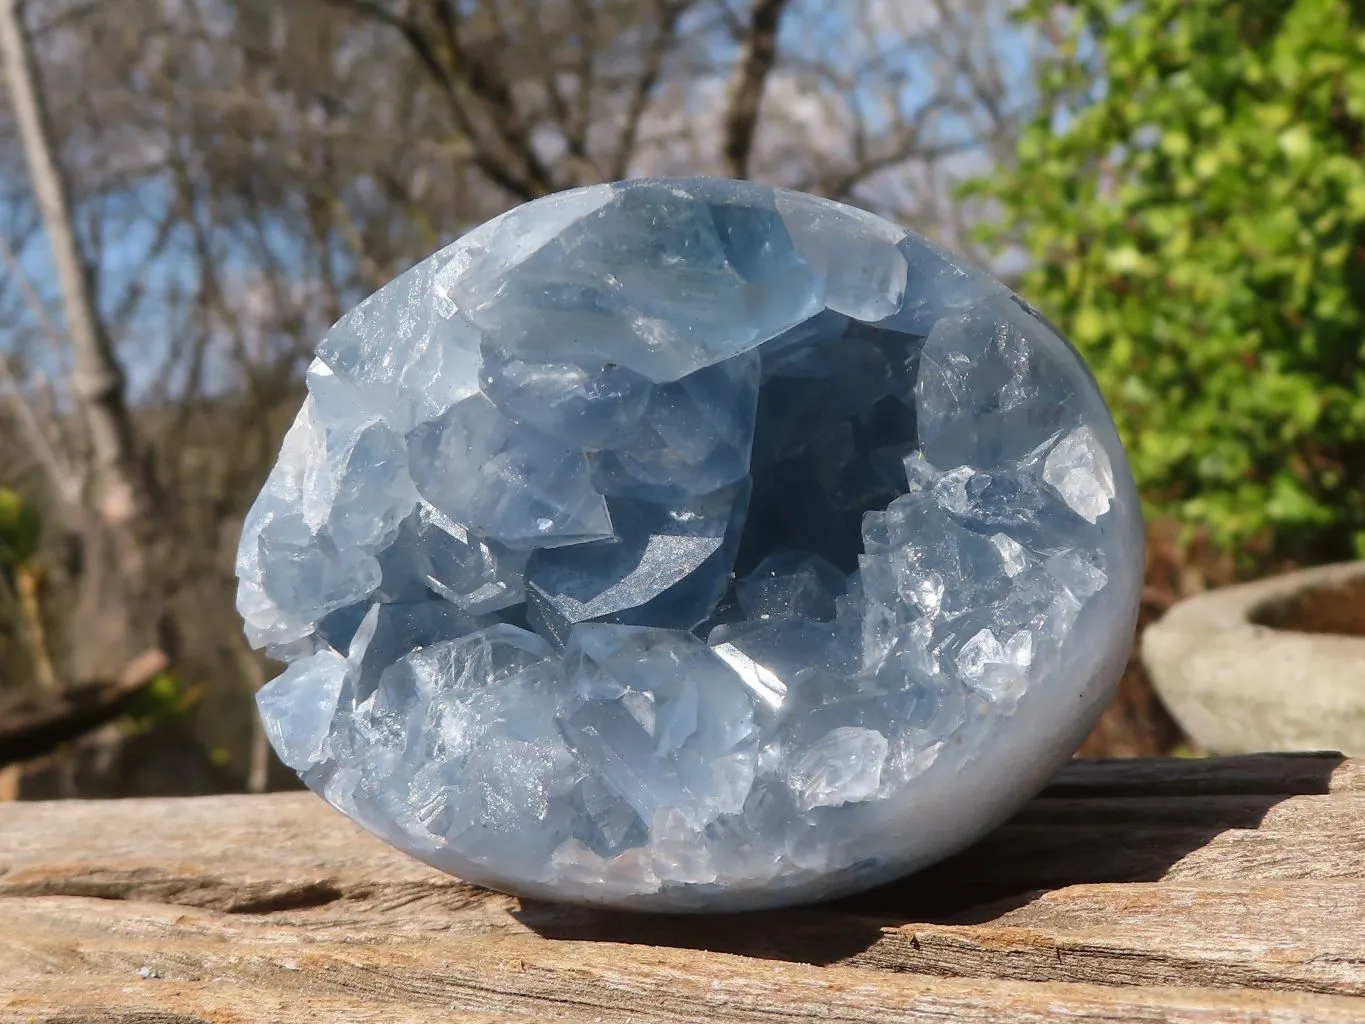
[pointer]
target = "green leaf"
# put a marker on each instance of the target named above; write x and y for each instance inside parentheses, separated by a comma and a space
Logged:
(1198, 228)
(20, 529)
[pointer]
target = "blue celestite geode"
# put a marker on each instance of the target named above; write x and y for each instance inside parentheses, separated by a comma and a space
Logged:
(690, 544)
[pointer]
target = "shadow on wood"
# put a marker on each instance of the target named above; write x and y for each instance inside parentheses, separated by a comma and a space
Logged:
(1098, 822)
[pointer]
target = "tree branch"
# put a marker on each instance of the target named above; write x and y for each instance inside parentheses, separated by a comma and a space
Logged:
(758, 55)
(485, 80)
(66, 481)
(62, 476)
(670, 13)
(502, 149)
(580, 120)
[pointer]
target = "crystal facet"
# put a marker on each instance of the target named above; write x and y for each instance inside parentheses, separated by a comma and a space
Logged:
(690, 544)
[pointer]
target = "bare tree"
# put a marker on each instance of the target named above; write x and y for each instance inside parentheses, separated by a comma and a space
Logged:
(97, 380)
(218, 180)
(125, 494)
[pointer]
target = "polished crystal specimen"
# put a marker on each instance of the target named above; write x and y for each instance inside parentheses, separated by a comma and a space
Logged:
(688, 544)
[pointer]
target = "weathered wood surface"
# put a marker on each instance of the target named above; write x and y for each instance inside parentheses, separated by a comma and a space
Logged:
(1163, 890)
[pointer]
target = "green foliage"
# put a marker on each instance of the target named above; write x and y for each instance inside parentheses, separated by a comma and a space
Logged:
(1193, 197)
(20, 529)
(166, 696)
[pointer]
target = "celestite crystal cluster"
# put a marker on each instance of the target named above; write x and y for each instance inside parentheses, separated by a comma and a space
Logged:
(690, 544)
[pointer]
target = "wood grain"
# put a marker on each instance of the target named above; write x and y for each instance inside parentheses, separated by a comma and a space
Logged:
(1158, 890)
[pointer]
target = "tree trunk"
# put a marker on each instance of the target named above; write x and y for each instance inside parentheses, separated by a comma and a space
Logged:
(120, 520)
(758, 55)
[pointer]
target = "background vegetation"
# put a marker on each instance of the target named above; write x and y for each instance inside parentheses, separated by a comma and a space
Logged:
(1191, 188)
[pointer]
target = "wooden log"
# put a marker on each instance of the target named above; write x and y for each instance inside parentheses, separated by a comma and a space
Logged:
(34, 722)
(1206, 896)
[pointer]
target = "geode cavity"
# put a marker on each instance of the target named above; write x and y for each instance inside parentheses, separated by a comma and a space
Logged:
(690, 544)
